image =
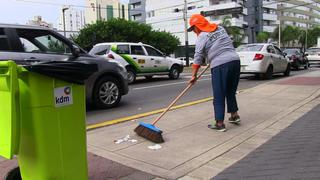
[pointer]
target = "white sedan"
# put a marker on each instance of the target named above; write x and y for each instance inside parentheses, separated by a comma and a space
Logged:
(263, 59)
(313, 55)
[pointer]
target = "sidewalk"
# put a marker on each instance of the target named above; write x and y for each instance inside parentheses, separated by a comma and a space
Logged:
(291, 154)
(191, 150)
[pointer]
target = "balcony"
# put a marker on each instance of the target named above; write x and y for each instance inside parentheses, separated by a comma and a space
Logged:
(270, 17)
(270, 5)
(269, 28)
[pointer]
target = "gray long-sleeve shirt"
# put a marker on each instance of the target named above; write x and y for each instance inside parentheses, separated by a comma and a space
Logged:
(216, 46)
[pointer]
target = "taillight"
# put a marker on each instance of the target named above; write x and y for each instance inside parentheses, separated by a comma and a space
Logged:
(110, 56)
(258, 57)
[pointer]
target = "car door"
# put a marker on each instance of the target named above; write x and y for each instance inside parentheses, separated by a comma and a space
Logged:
(281, 60)
(139, 56)
(160, 63)
(273, 58)
(9, 46)
(42, 45)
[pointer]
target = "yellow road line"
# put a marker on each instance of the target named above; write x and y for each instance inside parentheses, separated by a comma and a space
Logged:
(137, 116)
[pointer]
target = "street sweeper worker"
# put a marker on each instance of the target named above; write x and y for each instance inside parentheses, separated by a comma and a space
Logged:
(214, 44)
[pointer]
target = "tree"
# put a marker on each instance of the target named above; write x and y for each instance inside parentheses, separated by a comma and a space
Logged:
(120, 30)
(233, 31)
(263, 37)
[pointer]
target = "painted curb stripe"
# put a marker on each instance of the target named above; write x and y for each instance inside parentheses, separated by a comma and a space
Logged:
(129, 118)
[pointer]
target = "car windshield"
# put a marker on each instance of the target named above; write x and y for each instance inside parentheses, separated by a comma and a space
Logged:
(313, 50)
(290, 51)
(100, 50)
(249, 47)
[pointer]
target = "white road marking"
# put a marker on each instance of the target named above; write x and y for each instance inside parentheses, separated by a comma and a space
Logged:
(169, 84)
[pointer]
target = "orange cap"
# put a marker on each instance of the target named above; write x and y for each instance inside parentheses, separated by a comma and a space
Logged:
(202, 23)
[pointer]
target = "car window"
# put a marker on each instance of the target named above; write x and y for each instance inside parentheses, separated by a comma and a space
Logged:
(249, 47)
(123, 49)
(137, 50)
(152, 52)
(29, 46)
(45, 41)
(270, 49)
(4, 44)
(278, 51)
(100, 50)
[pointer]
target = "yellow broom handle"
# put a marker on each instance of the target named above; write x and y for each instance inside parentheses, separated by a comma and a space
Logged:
(177, 98)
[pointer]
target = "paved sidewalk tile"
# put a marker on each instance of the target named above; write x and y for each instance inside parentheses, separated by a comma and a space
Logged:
(292, 154)
(99, 169)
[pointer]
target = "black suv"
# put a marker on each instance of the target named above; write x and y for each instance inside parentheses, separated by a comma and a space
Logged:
(31, 44)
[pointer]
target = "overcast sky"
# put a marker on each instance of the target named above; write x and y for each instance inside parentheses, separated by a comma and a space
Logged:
(20, 11)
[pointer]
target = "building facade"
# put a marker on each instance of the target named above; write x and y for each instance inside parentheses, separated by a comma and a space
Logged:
(168, 15)
(74, 19)
(37, 21)
(137, 10)
(261, 17)
(105, 10)
(299, 13)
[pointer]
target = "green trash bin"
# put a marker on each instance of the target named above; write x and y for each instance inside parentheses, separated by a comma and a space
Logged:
(52, 143)
(9, 109)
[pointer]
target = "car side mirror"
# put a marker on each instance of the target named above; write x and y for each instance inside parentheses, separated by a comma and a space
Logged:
(285, 54)
(306, 55)
(164, 54)
(76, 51)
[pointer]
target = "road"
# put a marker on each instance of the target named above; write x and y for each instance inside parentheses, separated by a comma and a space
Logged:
(149, 95)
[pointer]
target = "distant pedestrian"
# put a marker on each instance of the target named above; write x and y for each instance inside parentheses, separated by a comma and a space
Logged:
(214, 43)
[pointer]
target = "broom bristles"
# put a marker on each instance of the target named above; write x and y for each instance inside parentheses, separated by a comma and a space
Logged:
(149, 132)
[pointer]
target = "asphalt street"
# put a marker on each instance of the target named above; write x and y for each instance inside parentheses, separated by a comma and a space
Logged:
(149, 95)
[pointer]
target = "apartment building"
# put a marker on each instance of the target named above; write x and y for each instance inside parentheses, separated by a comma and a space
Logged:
(137, 10)
(299, 13)
(38, 21)
(261, 16)
(168, 15)
(105, 10)
(74, 19)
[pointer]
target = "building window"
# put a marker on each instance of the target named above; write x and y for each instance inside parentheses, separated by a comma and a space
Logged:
(136, 17)
(136, 5)
(151, 14)
(109, 12)
(213, 2)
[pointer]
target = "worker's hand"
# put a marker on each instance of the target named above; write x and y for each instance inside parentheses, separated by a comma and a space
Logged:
(193, 80)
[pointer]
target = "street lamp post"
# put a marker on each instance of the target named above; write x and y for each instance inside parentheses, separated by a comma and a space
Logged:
(185, 17)
(64, 20)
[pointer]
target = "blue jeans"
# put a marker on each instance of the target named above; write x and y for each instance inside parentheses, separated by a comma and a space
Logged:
(225, 79)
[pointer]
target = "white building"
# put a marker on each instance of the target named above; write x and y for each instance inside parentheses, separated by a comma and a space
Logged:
(74, 19)
(105, 10)
(269, 15)
(37, 21)
(161, 16)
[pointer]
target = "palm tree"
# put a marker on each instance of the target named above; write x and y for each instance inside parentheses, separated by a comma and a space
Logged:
(233, 31)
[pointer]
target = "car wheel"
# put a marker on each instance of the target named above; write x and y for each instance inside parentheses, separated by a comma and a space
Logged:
(287, 72)
(306, 66)
(131, 75)
(174, 72)
(148, 77)
(106, 93)
(14, 174)
(269, 72)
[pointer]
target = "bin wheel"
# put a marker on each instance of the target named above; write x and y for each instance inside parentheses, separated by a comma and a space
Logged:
(14, 174)
(107, 93)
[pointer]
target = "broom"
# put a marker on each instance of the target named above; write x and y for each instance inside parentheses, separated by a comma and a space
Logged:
(151, 132)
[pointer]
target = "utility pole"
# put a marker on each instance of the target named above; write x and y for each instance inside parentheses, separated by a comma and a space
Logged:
(306, 45)
(185, 18)
(64, 20)
(279, 33)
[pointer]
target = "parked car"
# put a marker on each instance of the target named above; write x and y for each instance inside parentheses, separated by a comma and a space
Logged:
(297, 58)
(263, 59)
(139, 59)
(32, 44)
(183, 59)
(313, 54)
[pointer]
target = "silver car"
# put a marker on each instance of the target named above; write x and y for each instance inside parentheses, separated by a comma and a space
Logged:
(29, 44)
